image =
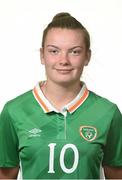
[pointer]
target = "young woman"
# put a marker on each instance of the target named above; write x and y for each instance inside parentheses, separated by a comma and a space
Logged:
(60, 129)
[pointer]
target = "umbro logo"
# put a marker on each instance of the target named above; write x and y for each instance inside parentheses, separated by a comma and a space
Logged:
(34, 132)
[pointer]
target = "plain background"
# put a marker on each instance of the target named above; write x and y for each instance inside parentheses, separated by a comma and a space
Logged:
(21, 26)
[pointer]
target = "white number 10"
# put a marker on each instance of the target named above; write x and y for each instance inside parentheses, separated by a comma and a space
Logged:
(62, 154)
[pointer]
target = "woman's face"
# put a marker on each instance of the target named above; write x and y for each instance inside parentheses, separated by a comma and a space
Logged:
(64, 55)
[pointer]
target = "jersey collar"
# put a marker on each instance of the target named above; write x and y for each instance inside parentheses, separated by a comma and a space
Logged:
(71, 107)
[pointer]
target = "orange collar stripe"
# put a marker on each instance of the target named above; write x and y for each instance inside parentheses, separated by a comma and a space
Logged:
(40, 100)
(81, 100)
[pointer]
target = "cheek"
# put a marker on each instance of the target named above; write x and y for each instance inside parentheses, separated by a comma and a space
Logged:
(78, 63)
(49, 64)
(81, 61)
(49, 60)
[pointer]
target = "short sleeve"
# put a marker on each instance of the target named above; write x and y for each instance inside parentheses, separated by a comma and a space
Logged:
(113, 147)
(8, 141)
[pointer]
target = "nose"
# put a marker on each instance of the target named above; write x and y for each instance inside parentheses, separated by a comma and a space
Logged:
(64, 59)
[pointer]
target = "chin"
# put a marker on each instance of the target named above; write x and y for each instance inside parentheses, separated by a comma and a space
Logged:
(65, 82)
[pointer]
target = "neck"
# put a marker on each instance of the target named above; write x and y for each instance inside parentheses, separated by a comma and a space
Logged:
(60, 95)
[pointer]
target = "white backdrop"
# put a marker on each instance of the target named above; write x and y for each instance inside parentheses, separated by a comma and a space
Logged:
(21, 26)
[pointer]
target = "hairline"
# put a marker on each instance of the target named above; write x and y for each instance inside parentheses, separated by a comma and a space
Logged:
(68, 28)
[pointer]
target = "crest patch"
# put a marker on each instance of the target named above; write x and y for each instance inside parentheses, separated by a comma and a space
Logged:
(89, 133)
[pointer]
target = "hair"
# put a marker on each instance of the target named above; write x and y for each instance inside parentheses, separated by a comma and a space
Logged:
(65, 20)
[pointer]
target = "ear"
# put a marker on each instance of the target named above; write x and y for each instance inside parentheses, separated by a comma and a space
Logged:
(88, 57)
(42, 55)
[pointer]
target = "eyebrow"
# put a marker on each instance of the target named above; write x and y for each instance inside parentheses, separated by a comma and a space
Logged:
(59, 48)
(53, 46)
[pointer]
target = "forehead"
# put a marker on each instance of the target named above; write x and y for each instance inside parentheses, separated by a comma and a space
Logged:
(63, 36)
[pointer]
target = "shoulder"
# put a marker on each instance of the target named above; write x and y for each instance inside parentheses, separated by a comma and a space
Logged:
(97, 98)
(105, 110)
(102, 102)
(19, 101)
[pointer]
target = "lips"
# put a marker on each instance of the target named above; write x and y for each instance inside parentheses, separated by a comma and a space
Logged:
(64, 71)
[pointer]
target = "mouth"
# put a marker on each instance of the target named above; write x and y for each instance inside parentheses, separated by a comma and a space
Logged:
(64, 71)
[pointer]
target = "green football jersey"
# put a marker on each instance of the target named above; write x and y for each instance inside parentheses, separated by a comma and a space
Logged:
(70, 144)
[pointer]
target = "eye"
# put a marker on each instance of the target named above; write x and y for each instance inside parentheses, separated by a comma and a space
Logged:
(75, 52)
(53, 51)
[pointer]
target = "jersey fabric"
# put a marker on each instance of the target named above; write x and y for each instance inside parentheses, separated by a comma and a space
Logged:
(70, 144)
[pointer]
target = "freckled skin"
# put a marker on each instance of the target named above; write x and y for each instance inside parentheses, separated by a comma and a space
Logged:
(64, 55)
